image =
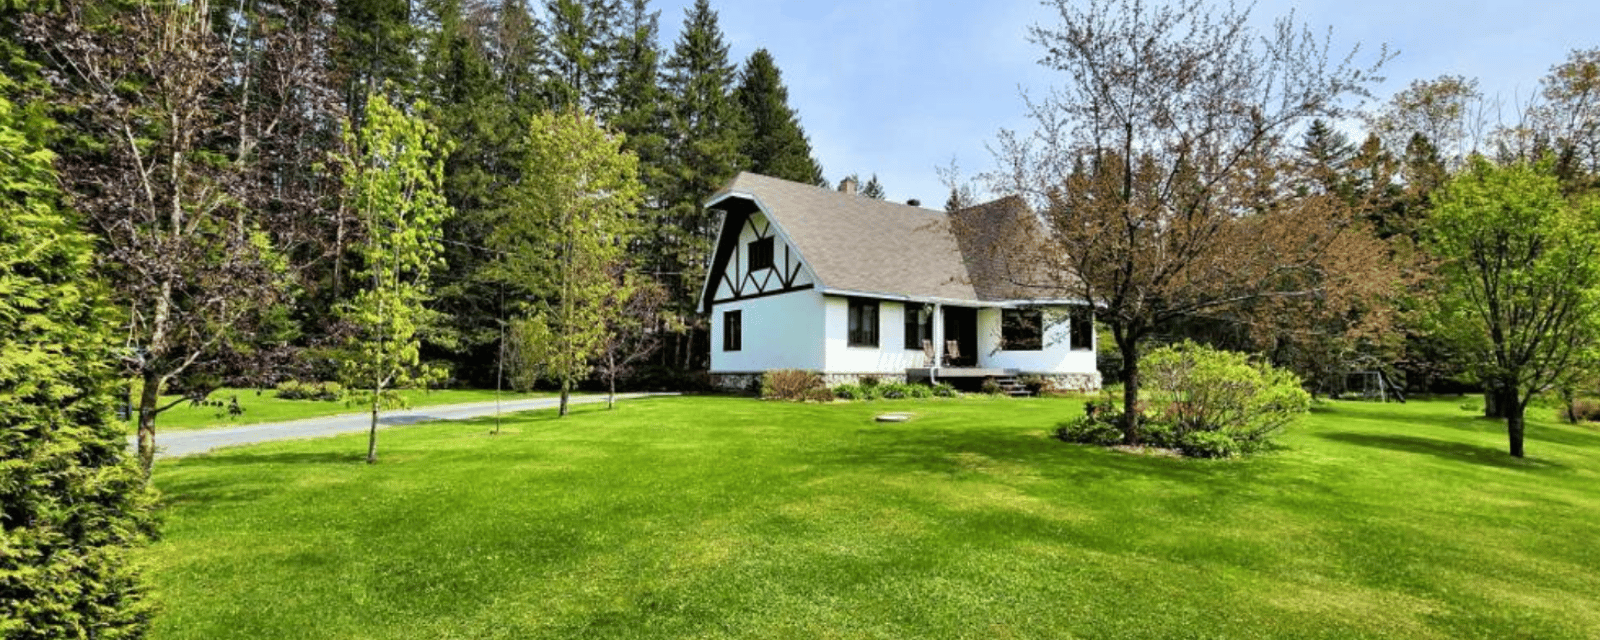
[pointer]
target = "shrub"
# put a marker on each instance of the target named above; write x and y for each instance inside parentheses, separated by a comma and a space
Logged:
(789, 384)
(848, 392)
(1090, 430)
(944, 390)
(1035, 385)
(990, 387)
(892, 391)
(1208, 444)
(1157, 433)
(917, 390)
(296, 390)
(868, 382)
(1583, 410)
(1199, 389)
(819, 394)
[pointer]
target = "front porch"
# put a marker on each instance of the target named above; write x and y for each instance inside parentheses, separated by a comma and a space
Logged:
(935, 374)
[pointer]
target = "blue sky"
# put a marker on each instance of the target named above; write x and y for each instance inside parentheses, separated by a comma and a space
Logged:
(899, 87)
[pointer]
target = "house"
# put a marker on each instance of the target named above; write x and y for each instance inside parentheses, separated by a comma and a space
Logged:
(811, 278)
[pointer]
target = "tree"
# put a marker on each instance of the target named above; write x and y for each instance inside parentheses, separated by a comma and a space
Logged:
(583, 41)
(560, 239)
(704, 134)
(147, 159)
(1569, 117)
(873, 188)
(1443, 111)
(393, 181)
(1519, 280)
(1163, 169)
(776, 145)
(71, 504)
(634, 329)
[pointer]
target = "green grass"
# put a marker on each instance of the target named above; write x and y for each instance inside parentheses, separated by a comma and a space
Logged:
(264, 406)
(735, 518)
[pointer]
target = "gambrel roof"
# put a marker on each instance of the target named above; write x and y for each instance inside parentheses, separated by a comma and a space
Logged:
(857, 245)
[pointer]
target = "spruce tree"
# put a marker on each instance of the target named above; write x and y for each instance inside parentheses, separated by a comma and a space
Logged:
(873, 188)
(703, 142)
(71, 503)
(776, 144)
(583, 37)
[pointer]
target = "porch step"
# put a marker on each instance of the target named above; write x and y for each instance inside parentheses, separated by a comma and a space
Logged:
(1011, 386)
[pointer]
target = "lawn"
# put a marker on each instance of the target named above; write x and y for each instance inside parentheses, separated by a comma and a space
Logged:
(733, 518)
(263, 406)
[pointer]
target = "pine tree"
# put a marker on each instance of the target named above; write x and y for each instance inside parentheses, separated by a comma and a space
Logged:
(776, 145)
(71, 503)
(873, 188)
(640, 114)
(372, 50)
(583, 39)
(703, 141)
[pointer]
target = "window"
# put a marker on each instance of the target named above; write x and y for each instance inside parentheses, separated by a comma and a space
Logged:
(1082, 329)
(919, 324)
(732, 330)
(863, 323)
(1022, 329)
(761, 254)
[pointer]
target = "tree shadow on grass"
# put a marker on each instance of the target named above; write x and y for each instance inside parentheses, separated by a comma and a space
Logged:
(1457, 451)
(1553, 434)
(240, 456)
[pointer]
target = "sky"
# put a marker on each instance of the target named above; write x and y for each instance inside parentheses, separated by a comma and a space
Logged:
(899, 88)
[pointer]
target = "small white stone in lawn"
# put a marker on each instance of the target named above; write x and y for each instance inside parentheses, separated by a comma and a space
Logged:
(893, 417)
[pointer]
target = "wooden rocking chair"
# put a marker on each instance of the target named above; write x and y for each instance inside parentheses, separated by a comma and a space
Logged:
(928, 359)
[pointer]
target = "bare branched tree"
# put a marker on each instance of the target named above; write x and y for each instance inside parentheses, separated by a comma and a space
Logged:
(1165, 167)
(154, 172)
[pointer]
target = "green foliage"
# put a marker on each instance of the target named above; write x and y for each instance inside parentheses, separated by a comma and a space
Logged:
(1518, 282)
(945, 390)
(849, 391)
(296, 390)
(71, 504)
(1198, 389)
(789, 384)
(1101, 430)
(1209, 444)
(868, 381)
(561, 238)
(775, 145)
(393, 176)
(990, 386)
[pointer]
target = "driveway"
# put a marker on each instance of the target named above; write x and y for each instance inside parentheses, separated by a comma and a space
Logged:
(182, 443)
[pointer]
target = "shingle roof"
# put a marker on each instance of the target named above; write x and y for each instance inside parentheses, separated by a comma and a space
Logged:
(859, 244)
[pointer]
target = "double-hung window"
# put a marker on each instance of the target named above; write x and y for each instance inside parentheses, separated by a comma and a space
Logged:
(863, 322)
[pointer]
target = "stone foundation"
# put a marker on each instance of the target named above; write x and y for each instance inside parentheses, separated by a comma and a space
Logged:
(738, 382)
(836, 379)
(1083, 382)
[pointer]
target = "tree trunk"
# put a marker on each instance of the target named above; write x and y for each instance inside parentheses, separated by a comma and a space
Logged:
(611, 398)
(148, 397)
(1514, 421)
(1129, 344)
(372, 432)
(1492, 407)
(566, 393)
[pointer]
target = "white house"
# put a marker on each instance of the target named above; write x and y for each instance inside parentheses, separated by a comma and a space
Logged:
(809, 278)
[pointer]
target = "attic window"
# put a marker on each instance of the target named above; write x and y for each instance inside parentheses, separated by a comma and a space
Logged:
(1022, 329)
(761, 254)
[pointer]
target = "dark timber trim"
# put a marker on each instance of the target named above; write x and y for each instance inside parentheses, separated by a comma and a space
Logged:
(729, 265)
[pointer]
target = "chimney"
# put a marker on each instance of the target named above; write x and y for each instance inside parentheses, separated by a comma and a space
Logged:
(848, 185)
(914, 202)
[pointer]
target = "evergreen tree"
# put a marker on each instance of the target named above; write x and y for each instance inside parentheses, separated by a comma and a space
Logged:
(583, 39)
(517, 55)
(704, 136)
(873, 188)
(373, 50)
(71, 504)
(640, 113)
(776, 145)
(393, 178)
